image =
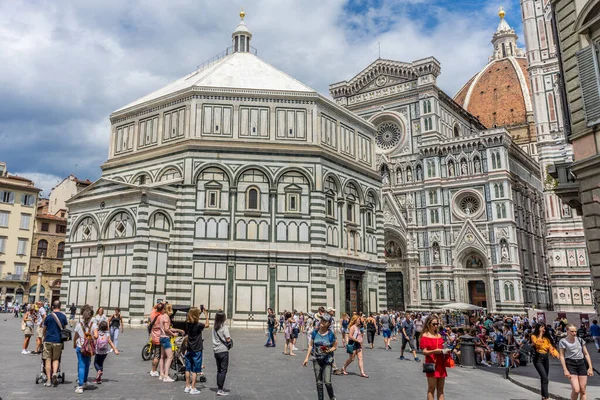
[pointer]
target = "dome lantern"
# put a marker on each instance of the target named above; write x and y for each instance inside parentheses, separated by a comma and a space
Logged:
(504, 40)
(241, 36)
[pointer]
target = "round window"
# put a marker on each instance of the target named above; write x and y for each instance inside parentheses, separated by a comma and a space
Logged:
(470, 204)
(388, 135)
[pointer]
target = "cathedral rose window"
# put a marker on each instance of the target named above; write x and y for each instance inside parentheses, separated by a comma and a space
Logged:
(469, 205)
(388, 135)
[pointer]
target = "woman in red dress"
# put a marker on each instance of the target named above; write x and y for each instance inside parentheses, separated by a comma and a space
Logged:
(432, 345)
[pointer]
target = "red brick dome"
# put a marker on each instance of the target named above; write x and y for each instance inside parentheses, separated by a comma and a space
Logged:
(499, 95)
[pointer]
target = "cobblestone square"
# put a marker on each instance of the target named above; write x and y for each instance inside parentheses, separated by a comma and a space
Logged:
(255, 372)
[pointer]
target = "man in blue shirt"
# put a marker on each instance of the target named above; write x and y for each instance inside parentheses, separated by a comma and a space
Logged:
(595, 333)
(53, 346)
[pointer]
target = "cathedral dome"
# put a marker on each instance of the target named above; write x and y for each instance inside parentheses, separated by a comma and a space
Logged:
(500, 94)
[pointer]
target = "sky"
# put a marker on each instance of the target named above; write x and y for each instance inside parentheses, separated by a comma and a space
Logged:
(66, 65)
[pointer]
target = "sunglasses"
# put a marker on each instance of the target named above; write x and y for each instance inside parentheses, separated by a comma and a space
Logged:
(435, 324)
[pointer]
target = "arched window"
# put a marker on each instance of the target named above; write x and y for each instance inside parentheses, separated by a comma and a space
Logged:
(500, 190)
(551, 107)
(351, 197)
(509, 291)
(42, 248)
(496, 163)
(252, 200)
(160, 222)
(456, 131)
(439, 291)
(170, 174)
(433, 198)
(370, 209)
(60, 250)
(426, 106)
(501, 211)
(496, 190)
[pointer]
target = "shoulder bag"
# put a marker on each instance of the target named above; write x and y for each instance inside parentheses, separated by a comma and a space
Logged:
(582, 344)
(65, 333)
(152, 324)
(428, 368)
(227, 344)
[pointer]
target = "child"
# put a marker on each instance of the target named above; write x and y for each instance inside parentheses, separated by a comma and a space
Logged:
(102, 344)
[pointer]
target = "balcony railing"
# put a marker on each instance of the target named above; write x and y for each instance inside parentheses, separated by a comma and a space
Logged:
(15, 277)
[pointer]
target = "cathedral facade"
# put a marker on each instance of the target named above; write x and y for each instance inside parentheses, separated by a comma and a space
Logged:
(237, 188)
(462, 204)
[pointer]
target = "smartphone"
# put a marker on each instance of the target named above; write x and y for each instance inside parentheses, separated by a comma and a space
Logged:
(201, 307)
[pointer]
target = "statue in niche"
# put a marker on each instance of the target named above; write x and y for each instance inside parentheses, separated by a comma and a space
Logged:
(385, 180)
(477, 166)
(399, 179)
(408, 175)
(504, 252)
(451, 170)
(463, 168)
(419, 173)
(436, 254)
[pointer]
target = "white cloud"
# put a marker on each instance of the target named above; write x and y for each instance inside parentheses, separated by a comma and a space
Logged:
(42, 181)
(73, 63)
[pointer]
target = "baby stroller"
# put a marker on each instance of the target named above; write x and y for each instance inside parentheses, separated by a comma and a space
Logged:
(42, 378)
(178, 363)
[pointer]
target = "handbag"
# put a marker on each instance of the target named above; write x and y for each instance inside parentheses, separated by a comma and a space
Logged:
(450, 362)
(65, 333)
(23, 326)
(428, 368)
(350, 348)
(229, 344)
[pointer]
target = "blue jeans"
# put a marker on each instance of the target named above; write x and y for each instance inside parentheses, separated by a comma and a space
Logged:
(83, 366)
(271, 337)
(114, 335)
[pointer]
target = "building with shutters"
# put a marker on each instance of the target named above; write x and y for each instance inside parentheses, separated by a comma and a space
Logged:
(18, 199)
(235, 187)
(567, 255)
(48, 244)
(462, 205)
(577, 26)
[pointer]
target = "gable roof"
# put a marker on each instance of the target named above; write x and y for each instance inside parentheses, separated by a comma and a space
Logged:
(240, 70)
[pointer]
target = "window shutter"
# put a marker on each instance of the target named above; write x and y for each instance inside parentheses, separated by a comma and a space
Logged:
(589, 78)
(11, 198)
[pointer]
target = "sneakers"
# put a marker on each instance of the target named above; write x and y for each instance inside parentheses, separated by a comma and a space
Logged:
(155, 373)
(417, 359)
(79, 390)
(187, 389)
(194, 391)
(167, 379)
(401, 358)
(221, 392)
(55, 380)
(48, 384)
(24, 352)
(295, 348)
(160, 378)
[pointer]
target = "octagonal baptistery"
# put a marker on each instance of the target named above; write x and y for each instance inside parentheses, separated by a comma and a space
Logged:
(238, 188)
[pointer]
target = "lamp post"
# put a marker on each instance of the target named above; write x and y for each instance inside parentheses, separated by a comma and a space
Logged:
(39, 281)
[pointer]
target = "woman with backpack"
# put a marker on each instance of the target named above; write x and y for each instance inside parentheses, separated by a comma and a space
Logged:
(84, 345)
(574, 357)
(103, 342)
(116, 326)
(544, 348)
(221, 344)
(322, 344)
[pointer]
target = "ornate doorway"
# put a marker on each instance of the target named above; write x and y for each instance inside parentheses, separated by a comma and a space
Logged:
(477, 293)
(395, 291)
(354, 298)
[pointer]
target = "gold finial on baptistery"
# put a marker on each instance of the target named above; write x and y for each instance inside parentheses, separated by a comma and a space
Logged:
(242, 14)
(501, 12)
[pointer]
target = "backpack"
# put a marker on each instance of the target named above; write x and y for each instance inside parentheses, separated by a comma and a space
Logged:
(88, 348)
(500, 340)
(102, 343)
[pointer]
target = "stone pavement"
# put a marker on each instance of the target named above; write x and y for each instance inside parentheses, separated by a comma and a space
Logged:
(255, 372)
(559, 387)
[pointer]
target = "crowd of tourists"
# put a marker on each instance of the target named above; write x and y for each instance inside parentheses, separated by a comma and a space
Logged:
(498, 341)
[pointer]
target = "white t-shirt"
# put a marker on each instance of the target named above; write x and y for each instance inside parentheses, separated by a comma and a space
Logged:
(99, 318)
(79, 330)
(41, 315)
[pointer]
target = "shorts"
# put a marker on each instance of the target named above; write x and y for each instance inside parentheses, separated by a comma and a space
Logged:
(28, 332)
(576, 367)
(40, 331)
(155, 351)
(52, 351)
(193, 361)
(294, 334)
(387, 333)
(410, 341)
(357, 345)
(165, 343)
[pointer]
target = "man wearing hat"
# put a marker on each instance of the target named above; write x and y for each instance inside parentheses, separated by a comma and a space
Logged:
(331, 311)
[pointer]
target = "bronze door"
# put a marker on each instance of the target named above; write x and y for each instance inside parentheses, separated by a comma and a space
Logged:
(354, 300)
(395, 291)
